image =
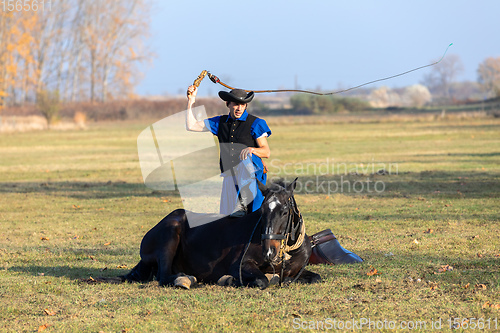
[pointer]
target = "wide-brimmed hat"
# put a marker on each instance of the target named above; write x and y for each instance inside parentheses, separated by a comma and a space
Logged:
(239, 96)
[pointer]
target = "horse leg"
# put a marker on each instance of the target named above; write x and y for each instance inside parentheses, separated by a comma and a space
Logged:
(308, 277)
(251, 276)
(142, 272)
(170, 237)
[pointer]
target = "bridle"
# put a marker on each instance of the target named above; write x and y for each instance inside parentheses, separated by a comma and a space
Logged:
(289, 229)
(289, 232)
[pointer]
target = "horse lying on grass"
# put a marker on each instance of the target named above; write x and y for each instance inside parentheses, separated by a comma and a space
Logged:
(229, 251)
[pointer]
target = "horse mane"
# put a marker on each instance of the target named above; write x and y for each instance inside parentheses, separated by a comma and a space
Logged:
(278, 185)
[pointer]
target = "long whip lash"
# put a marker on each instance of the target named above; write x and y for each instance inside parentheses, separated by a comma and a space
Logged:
(215, 79)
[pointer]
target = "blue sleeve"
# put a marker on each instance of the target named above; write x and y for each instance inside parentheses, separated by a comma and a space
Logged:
(259, 127)
(213, 124)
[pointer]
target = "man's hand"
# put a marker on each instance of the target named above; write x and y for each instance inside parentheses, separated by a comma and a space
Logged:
(246, 152)
(191, 94)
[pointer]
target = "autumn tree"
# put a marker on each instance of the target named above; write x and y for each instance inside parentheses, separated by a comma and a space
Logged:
(24, 71)
(34, 50)
(7, 46)
(489, 76)
(112, 33)
(85, 49)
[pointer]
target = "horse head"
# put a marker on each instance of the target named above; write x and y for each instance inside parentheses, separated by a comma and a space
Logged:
(277, 218)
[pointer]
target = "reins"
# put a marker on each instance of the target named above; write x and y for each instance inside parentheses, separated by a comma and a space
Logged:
(246, 249)
(301, 238)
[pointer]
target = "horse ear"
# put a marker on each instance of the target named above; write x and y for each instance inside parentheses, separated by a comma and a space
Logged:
(292, 186)
(263, 188)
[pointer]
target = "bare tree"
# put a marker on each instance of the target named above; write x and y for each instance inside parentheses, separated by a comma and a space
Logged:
(489, 76)
(76, 56)
(443, 74)
(44, 37)
(62, 44)
(113, 34)
(94, 12)
(123, 47)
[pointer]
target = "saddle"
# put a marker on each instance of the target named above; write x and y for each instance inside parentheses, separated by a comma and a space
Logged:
(326, 249)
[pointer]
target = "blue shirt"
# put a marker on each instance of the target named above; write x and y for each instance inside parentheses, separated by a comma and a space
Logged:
(258, 129)
(259, 126)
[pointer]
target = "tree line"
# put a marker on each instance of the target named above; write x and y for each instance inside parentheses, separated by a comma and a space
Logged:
(438, 86)
(79, 50)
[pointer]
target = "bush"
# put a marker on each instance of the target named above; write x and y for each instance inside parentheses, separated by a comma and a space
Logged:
(47, 103)
(313, 104)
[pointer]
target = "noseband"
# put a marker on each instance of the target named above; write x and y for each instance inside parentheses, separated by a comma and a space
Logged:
(273, 236)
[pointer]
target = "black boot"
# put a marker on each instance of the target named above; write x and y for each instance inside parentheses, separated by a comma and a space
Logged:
(240, 210)
(241, 206)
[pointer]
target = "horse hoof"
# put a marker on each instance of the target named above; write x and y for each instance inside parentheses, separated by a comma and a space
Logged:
(274, 279)
(226, 280)
(184, 282)
(262, 284)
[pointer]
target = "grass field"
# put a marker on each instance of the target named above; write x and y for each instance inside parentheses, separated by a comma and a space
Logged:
(73, 205)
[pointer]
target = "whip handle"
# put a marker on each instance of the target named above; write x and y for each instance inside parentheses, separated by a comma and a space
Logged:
(200, 77)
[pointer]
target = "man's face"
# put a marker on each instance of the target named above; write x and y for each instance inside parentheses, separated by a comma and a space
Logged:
(236, 110)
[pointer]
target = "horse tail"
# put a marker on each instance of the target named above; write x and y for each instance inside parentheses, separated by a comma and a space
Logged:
(142, 272)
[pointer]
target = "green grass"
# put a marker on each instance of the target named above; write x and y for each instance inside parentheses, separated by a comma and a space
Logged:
(73, 205)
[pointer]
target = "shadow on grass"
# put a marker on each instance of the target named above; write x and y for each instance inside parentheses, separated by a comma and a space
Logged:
(453, 184)
(396, 268)
(83, 190)
(462, 155)
(439, 183)
(479, 159)
(79, 259)
(66, 271)
(410, 219)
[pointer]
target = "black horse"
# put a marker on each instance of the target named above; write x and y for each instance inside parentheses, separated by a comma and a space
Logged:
(238, 252)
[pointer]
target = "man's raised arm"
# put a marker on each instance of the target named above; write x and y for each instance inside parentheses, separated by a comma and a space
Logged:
(192, 124)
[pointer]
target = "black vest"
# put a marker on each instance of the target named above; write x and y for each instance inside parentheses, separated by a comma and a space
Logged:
(234, 136)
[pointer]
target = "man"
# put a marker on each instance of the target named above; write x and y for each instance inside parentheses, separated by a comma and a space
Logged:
(243, 144)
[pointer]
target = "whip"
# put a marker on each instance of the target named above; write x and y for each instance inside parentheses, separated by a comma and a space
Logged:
(216, 80)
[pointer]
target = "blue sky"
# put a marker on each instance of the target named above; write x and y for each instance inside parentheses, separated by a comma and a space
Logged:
(320, 43)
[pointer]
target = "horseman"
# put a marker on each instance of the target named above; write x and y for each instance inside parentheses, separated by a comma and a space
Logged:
(243, 144)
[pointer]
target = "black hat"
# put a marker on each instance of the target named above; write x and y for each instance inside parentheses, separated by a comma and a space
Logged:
(239, 96)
